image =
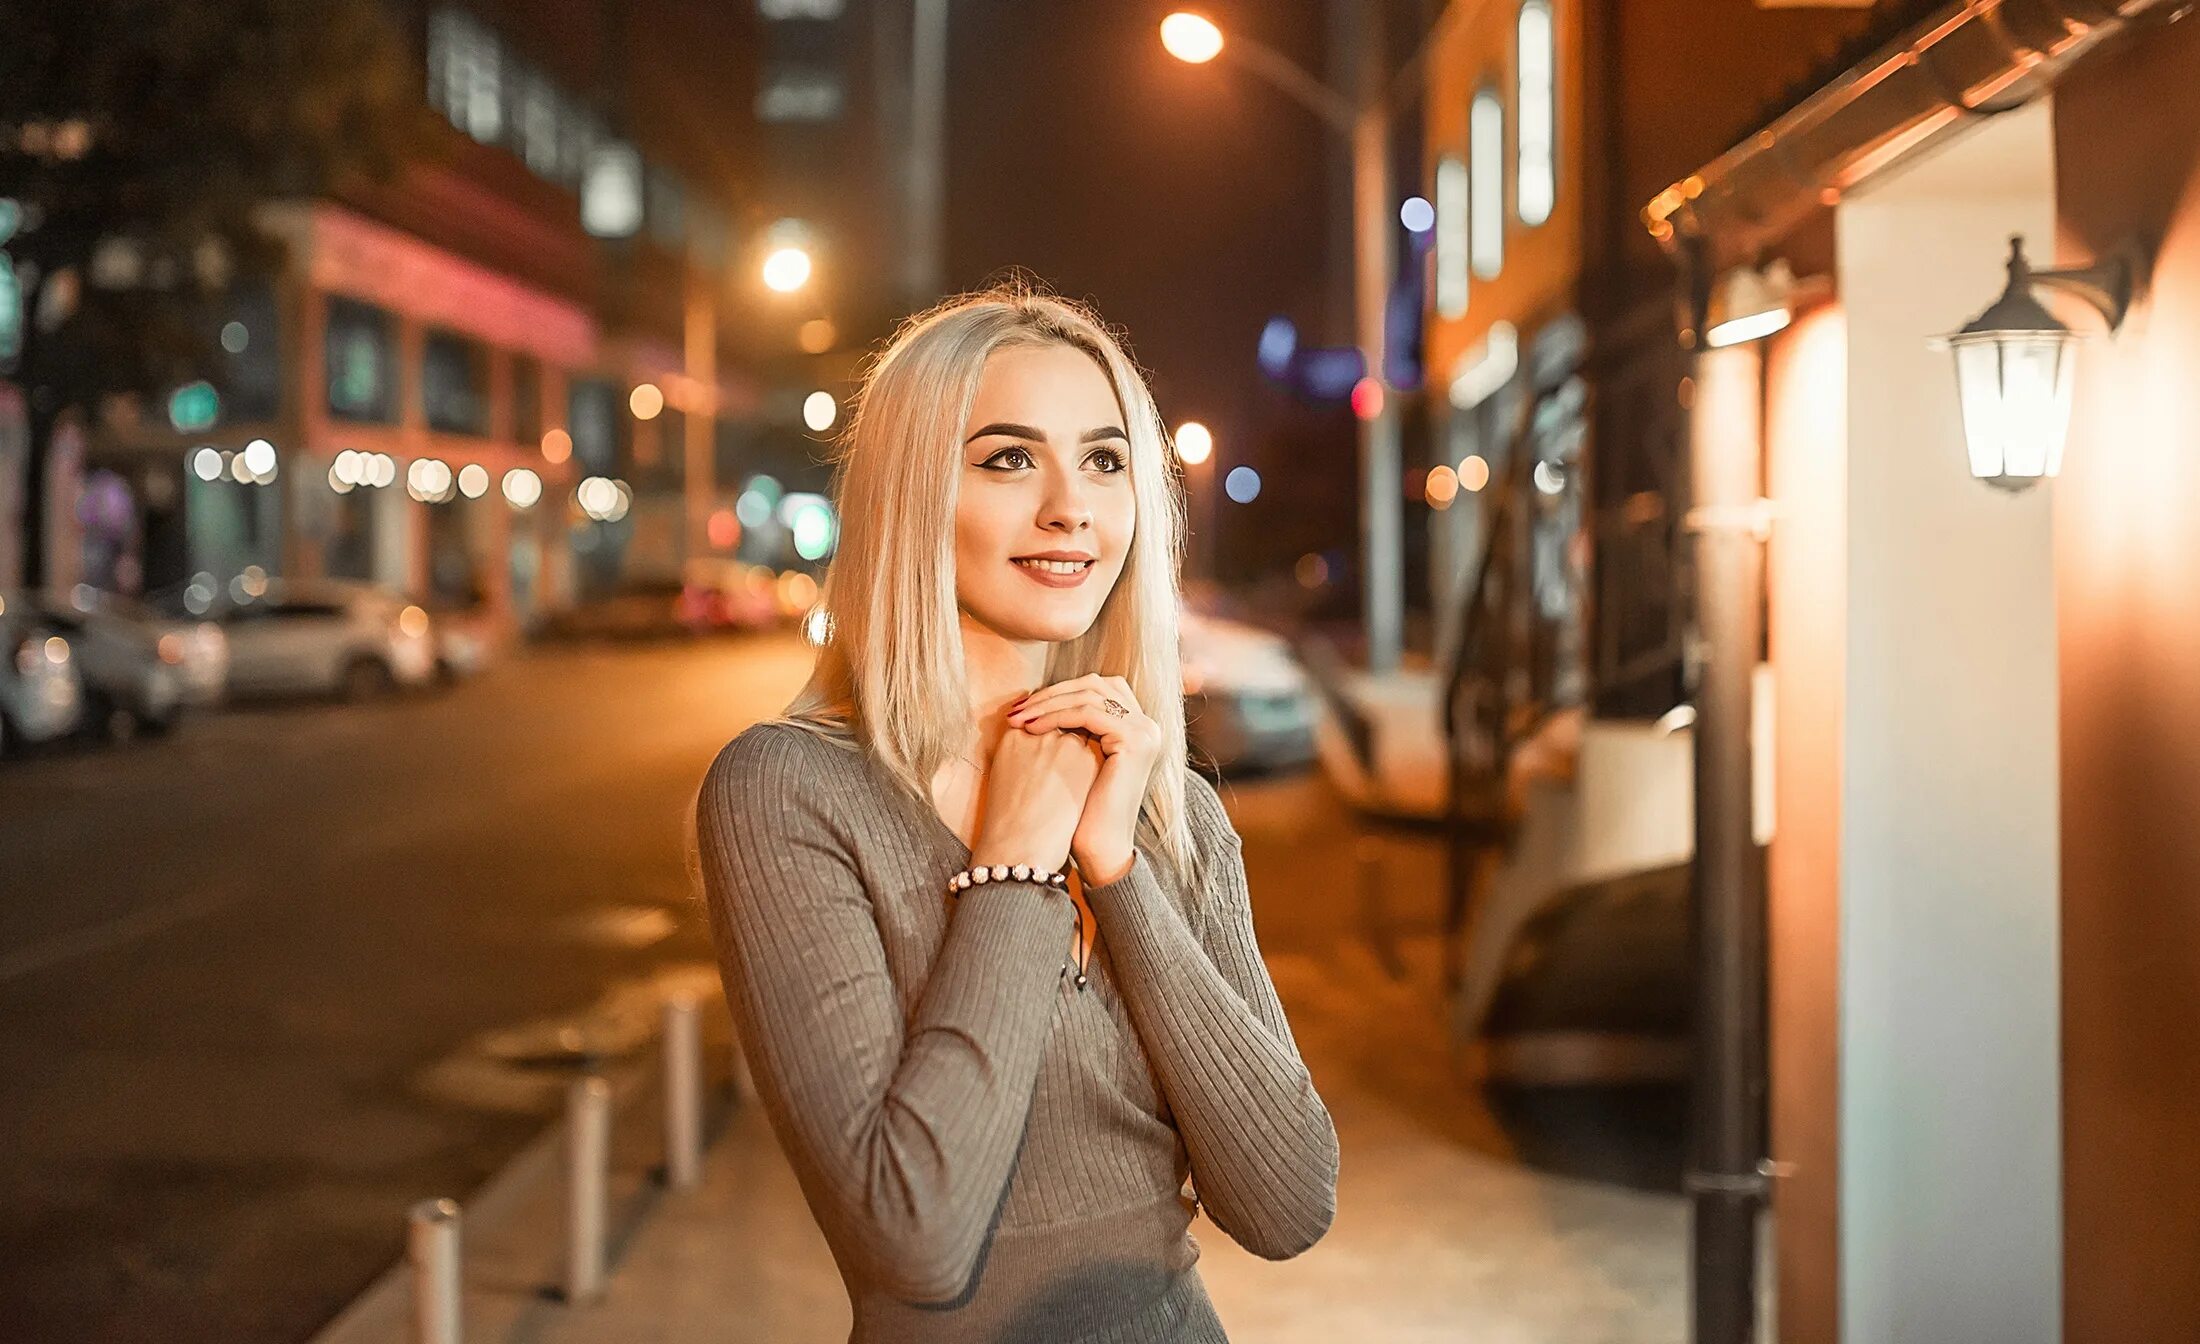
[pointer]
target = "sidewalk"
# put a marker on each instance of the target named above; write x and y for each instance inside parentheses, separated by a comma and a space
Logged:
(1437, 1237)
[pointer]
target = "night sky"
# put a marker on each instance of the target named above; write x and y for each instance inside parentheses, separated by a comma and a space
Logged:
(1187, 203)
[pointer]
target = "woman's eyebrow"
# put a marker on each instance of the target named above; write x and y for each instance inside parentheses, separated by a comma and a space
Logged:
(1016, 431)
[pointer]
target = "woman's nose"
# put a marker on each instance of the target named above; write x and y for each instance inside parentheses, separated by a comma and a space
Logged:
(1066, 511)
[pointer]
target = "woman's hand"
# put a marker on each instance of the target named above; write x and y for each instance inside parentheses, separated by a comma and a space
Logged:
(1130, 747)
(1035, 790)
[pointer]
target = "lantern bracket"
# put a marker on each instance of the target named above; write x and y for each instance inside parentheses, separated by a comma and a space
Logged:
(2107, 284)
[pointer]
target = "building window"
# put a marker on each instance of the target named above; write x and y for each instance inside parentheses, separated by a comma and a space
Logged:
(526, 400)
(1451, 237)
(1535, 190)
(454, 384)
(361, 356)
(1486, 191)
(249, 340)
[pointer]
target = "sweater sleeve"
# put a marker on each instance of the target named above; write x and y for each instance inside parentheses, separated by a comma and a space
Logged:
(904, 1132)
(1262, 1147)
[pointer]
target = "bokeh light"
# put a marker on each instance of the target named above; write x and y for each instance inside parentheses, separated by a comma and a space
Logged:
(1194, 442)
(1242, 485)
(1191, 38)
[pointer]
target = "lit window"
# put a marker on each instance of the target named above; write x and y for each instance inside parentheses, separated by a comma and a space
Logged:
(611, 195)
(537, 128)
(795, 94)
(1451, 237)
(1537, 186)
(1486, 195)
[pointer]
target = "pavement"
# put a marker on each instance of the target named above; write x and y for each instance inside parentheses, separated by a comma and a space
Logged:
(1533, 1218)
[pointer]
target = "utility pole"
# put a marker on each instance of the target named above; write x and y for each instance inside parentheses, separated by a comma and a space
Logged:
(1374, 267)
(923, 259)
(1725, 1182)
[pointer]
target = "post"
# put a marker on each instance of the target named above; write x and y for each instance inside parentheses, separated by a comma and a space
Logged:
(683, 1093)
(922, 264)
(700, 420)
(1382, 507)
(432, 1247)
(1725, 1185)
(587, 1176)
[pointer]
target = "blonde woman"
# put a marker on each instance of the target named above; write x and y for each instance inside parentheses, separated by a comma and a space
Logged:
(986, 939)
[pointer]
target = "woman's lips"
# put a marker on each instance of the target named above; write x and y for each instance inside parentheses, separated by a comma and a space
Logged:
(1050, 573)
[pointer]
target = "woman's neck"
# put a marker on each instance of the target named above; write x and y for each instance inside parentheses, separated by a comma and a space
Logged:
(998, 671)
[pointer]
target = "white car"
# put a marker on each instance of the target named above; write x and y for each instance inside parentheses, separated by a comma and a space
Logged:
(132, 680)
(1247, 702)
(193, 645)
(327, 637)
(41, 691)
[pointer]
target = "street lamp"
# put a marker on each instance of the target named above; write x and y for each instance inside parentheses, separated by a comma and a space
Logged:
(1191, 38)
(1363, 119)
(2015, 364)
(1194, 442)
(1195, 448)
(786, 269)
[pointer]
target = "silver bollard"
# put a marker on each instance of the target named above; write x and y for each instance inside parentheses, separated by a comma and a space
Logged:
(431, 1244)
(683, 1093)
(588, 1163)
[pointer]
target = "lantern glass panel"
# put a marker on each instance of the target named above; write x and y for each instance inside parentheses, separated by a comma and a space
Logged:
(2015, 391)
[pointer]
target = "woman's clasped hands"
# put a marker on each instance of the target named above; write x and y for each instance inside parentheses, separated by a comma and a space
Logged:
(1105, 715)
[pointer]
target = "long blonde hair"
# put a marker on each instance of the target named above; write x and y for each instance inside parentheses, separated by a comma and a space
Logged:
(891, 667)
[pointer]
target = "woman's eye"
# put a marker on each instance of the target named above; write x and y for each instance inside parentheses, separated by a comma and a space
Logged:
(1009, 459)
(1108, 460)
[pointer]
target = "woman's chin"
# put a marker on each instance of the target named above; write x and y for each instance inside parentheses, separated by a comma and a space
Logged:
(1038, 627)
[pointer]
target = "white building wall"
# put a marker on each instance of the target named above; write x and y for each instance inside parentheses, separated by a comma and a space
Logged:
(1950, 1022)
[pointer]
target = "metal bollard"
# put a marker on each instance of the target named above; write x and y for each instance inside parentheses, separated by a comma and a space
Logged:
(683, 1093)
(588, 1163)
(431, 1244)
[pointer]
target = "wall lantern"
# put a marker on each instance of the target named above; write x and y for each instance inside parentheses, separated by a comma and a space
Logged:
(2015, 363)
(1748, 304)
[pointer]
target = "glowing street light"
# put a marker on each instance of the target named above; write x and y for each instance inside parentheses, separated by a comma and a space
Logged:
(786, 270)
(1361, 117)
(1191, 38)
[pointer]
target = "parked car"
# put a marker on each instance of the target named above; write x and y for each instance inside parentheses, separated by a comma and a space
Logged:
(132, 678)
(41, 692)
(1247, 702)
(466, 639)
(200, 650)
(725, 594)
(328, 637)
(643, 609)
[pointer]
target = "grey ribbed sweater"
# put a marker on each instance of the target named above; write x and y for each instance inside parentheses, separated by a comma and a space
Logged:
(993, 1155)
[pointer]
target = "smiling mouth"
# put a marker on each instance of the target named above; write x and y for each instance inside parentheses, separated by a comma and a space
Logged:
(1065, 567)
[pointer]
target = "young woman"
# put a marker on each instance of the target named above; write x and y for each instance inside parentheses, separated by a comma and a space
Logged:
(985, 937)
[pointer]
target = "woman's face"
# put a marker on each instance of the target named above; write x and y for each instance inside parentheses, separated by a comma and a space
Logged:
(1045, 513)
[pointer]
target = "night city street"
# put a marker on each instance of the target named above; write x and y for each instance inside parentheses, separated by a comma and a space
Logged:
(265, 985)
(995, 671)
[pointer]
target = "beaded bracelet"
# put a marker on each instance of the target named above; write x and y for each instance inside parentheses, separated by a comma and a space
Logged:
(1003, 872)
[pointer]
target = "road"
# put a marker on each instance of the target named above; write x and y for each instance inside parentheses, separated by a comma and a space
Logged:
(261, 986)
(267, 983)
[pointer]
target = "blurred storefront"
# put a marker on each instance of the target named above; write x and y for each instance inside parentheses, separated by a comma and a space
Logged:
(1985, 952)
(420, 392)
